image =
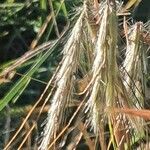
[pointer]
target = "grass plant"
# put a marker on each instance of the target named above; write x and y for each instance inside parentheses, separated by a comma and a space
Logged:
(92, 99)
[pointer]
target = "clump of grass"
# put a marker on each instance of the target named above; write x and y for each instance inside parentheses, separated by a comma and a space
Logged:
(108, 96)
(106, 87)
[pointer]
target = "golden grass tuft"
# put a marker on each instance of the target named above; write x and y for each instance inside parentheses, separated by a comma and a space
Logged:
(64, 83)
(109, 94)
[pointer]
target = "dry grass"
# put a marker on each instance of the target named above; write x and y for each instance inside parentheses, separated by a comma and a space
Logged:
(108, 93)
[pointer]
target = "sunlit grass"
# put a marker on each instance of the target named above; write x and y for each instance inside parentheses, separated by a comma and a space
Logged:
(91, 95)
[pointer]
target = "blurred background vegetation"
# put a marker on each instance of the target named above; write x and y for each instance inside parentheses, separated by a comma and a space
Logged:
(21, 21)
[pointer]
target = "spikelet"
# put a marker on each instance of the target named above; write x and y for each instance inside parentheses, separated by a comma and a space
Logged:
(93, 17)
(132, 66)
(93, 104)
(64, 83)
